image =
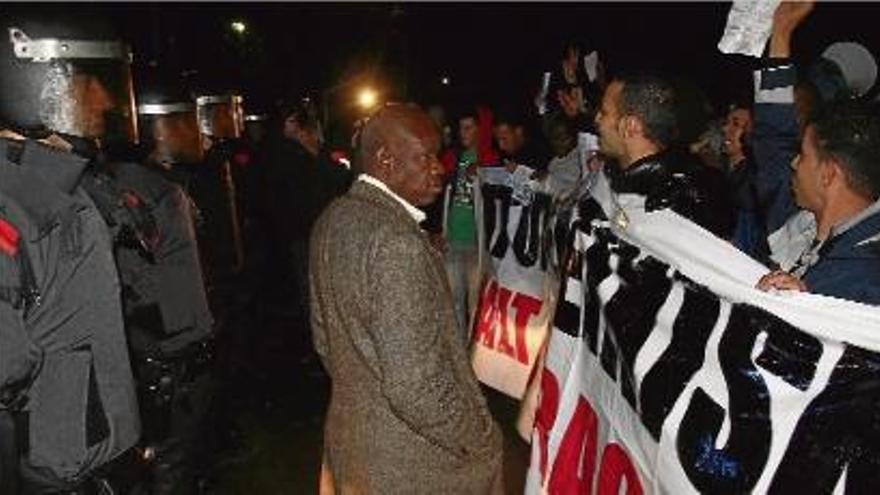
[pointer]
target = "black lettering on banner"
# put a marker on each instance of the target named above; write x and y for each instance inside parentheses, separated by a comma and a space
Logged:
(527, 241)
(788, 352)
(495, 196)
(565, 231)
(668, 377)
(591, 267)
(736, 467)
(631, 313)
(840, 429)
(563, 234)
(576, 266)
(597, 270)
(568, 315)
(608, 356)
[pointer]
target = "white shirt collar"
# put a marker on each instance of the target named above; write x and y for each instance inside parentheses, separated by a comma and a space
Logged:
(417, 214)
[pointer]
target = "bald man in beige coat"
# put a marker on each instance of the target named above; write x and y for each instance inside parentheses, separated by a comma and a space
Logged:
(406, 414)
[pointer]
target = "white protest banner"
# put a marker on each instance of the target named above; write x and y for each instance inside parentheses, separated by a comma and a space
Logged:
(516, 296)
(668, 372)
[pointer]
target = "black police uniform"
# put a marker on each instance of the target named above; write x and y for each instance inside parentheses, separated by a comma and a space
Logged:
(79, 410)
(167, 318)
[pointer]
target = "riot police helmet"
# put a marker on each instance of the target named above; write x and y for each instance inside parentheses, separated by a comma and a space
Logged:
(66, 72)
(169, 127)
(221, 115)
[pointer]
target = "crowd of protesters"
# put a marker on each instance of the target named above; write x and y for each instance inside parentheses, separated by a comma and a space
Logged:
(744, 164)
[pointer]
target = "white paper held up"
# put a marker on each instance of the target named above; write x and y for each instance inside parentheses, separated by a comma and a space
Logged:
(749, 24)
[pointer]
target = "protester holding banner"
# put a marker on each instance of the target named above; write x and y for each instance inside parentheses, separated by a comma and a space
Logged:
(518, 140)
(566, 167)
(406, 414)
(637, 125)
(829, 245)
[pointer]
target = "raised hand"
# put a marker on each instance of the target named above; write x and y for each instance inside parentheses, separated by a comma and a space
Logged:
(788, 16)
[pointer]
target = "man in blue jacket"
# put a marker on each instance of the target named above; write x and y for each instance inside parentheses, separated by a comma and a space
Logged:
(830, 246)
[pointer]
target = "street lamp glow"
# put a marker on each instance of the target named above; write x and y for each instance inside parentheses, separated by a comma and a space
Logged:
(238, 27)
(367, 98)
(445, 81)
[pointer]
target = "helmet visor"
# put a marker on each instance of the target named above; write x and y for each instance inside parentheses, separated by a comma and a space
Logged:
(90, 98)
(220, 116)
(173, 136)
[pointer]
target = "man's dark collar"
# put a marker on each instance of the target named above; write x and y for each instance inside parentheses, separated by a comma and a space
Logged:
(652, 158)
(640, 177)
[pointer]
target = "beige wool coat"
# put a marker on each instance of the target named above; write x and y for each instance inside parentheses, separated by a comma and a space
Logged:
(406, 414)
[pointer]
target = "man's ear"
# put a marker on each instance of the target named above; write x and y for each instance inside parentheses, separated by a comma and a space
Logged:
(631, 127)
(831, 171)
(624, 127)
(384, 159)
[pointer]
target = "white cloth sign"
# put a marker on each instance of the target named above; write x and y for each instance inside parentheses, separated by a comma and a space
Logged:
(516, 295)
(668, 372)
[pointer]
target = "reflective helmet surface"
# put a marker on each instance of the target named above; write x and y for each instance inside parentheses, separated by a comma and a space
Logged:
(168, 122)
(66, 74)
(220, 116)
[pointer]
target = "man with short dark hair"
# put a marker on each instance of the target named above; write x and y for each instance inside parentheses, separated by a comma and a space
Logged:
(516, 143)
(302, 125)
(459, 219)
(637, 126)
(836, 178)
(299, 182)
(821, 208)
(636, 119)
(406, 413)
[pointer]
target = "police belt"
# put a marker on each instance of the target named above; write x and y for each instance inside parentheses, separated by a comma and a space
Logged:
(183, 366)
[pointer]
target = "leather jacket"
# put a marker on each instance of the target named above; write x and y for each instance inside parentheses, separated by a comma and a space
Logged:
(693, 191)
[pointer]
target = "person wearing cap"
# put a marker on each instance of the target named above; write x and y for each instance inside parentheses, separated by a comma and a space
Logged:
(845, 70)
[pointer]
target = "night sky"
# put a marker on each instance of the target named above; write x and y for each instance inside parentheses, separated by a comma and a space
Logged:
(492, 52)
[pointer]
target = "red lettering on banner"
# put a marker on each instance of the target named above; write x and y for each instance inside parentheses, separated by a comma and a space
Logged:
(577, 449)
(504, 344)
(526, 307)
(616, 467)
(485, 327)
(492, 329)
(575, 463)
(545, 416)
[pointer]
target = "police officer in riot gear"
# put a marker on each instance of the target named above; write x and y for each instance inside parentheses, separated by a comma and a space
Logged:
(221, 124)
(168, 320)
(169, 127)
(65, 84)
